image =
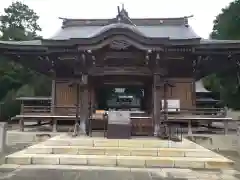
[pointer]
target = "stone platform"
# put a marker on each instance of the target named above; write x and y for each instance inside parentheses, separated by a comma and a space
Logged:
(132, 153)
(66, 172)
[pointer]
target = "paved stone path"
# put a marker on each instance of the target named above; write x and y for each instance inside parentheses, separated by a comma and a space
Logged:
(162, 174)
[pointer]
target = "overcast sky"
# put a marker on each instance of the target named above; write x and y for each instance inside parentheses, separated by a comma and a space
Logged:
(204, 11)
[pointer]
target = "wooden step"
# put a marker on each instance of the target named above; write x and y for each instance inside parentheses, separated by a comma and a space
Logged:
(21, 158)
(121, 151)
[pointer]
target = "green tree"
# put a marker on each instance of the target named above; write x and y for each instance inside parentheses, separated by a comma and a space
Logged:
(19, 23)
(226, 26)
(227, 23)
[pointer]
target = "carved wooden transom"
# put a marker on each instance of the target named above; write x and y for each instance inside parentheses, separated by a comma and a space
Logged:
(119, 45)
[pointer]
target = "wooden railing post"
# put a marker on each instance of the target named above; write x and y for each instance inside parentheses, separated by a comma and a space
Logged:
(225, 127)
(21, 120)
(190, 128)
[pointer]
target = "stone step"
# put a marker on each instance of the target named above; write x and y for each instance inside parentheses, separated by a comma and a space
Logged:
(120, 151)
(21, 158)
(134, 143)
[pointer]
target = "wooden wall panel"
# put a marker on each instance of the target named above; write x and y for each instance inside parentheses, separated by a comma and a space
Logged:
(65, 94)
(148, 104)
(183, 90)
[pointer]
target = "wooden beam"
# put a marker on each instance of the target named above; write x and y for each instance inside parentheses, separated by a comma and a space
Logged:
(141, 71)
(123, 55)
(26, 53)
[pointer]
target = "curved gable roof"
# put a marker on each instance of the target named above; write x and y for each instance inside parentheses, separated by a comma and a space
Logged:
(173, 28)
(172, 32)
(119, 26)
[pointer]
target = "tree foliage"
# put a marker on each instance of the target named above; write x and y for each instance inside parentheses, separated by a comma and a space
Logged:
(19, 22)
(226, 27)
(227, 23)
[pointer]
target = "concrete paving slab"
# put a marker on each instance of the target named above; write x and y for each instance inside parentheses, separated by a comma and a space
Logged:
(101, 174)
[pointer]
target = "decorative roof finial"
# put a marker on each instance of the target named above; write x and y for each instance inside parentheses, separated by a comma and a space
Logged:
(122, 16)
(119, 14)
(122, 6)
(123, 12)
(118, 8)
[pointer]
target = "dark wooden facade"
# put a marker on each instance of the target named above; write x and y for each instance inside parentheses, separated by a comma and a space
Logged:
(120, 54)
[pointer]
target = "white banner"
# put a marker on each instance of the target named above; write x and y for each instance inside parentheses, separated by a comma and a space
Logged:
(172, 105)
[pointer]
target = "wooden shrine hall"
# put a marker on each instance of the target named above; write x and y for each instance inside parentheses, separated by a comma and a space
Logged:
(147, 67)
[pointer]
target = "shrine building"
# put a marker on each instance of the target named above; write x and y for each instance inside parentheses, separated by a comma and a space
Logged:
(141, 65)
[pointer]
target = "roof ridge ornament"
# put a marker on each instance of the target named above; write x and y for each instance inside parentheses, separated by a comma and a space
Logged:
(186, 20)
(122, 16)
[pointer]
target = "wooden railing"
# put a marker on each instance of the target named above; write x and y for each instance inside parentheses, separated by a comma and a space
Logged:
(215, 112)
(35, 109)
(58, 110)
(66, 110)
(142, 123)
(71, 110)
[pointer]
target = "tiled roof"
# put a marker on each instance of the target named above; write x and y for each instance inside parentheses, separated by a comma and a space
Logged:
(26, 43)
(215, 41)
(173, 28)
(161, 31)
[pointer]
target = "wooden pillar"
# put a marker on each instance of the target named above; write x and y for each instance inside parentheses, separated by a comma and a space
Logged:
(84, 109)
(82, 105)
(53, 104)
(76, 126)
(165, 102)
(91, 100)
(156, 104)
(190, 128)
